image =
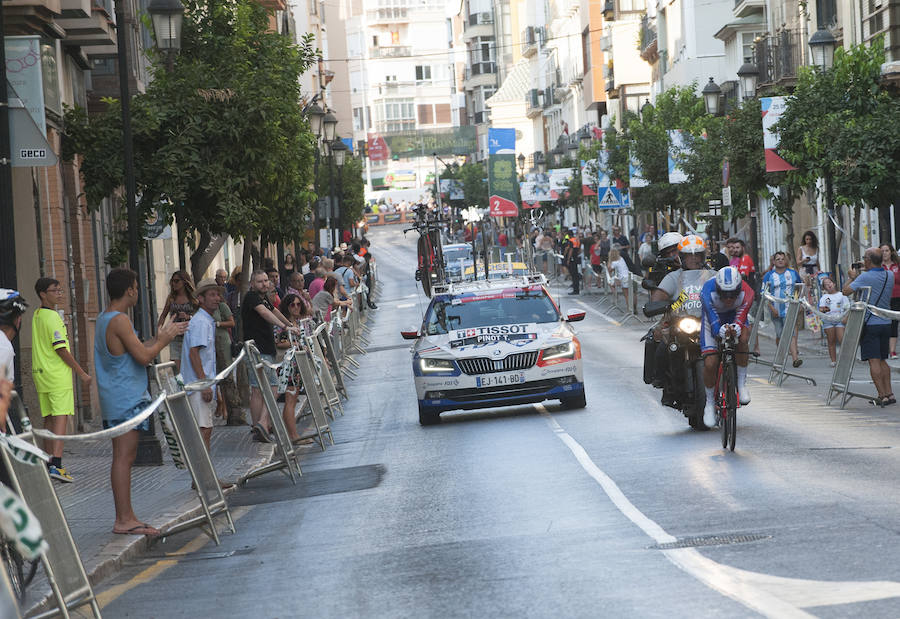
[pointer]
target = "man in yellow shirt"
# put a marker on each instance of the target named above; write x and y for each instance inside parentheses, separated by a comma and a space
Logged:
(52, 365)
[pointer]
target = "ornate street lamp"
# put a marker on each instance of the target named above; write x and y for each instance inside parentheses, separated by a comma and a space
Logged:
(711, 93)
(521, 160)
(167, 16)
(339, 150)
(822, 45)
(748, 75)
(585, 137)
(556, 155)
(315, 115)
(329, 123)
(540, 161)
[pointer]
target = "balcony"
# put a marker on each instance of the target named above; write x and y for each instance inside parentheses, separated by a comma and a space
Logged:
(648, 40)
(744, 8)
(476, 19)
(392, 51)
(478, 25)
(533, 105)
(480, 74)
(609, 10)
(530, 40)
(94, 30)
(778, 58)
(389, 15)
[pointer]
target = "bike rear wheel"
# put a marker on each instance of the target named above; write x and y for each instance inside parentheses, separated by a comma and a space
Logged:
(424, 252)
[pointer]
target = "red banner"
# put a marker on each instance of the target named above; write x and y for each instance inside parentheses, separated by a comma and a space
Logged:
(378, 148)
(501, 207)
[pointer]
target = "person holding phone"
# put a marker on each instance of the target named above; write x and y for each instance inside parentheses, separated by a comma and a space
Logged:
(834, 304)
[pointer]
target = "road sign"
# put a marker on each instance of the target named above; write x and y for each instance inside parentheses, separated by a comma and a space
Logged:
(726, 195)
(715, 208)
(611, 197)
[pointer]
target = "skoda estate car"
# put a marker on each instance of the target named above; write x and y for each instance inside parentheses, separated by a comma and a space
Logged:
(485, 344)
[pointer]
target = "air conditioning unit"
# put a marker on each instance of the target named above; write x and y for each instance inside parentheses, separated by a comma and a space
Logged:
(486, 18)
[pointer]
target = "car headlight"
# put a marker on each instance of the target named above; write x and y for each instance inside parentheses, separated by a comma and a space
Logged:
(688, 325)
(567, 351)
(430, 366)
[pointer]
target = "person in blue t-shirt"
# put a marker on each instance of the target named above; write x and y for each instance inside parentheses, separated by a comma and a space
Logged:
(780, 281)
(874, 345)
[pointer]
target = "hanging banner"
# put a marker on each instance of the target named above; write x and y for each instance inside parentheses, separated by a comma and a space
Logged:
(772, 109)
(560, 179)
(385, 146)
(502, 173)
(589, 178)
(24, 78)
(535, 189)
(636, 172)
(678, 148)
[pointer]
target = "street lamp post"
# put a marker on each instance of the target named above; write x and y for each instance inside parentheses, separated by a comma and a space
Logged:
(339, 154)
(748, 75)
(822, 45)
(167, 27)
(329, 124)
(315, 115)
(711, 94)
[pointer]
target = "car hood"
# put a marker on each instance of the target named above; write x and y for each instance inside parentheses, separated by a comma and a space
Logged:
(495, 341)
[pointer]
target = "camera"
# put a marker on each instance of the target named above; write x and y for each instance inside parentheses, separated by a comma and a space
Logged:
(857, 266)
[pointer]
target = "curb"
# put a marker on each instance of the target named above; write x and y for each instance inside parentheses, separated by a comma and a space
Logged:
(119, 551)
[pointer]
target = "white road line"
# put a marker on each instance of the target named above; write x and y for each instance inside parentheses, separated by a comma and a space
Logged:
(772, 596)
(405, 305)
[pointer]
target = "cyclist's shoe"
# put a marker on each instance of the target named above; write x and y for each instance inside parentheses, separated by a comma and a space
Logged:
(709, 415)
(744, 394)
(60, 474)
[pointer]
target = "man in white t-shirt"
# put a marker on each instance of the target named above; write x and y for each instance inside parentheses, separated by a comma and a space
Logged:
(12, 307)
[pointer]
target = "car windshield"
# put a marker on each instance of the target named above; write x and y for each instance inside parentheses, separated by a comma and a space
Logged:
(498, 307)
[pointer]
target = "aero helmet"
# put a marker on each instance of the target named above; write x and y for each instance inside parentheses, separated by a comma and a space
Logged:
(12, 305)
(692, 244)
(668, 240)
(728, 281)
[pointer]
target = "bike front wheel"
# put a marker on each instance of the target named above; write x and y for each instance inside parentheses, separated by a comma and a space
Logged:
(729, 421)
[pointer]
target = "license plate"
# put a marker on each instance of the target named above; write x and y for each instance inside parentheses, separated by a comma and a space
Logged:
(495, 380)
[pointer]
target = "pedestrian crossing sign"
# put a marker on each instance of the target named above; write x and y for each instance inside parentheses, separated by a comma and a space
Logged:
(611, 197)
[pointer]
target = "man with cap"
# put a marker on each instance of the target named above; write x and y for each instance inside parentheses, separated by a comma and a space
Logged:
(199, 349)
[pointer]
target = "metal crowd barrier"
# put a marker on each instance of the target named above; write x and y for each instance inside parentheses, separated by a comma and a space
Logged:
(779, 363)
(61, 560)
(305, 364)
(188, 450)
(287, 457)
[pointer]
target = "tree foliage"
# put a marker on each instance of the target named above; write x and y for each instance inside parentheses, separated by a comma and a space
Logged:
(843, 123)
(220, 141)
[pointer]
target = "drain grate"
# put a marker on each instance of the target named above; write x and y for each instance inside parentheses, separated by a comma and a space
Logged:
(711, 540)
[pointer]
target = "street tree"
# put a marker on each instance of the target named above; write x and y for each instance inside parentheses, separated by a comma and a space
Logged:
(220, 141)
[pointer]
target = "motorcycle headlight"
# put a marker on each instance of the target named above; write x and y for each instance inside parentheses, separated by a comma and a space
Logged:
(688, 325)
(429, 366)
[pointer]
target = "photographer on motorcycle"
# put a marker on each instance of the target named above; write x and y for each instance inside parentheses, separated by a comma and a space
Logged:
(667, 259)
(683, 286)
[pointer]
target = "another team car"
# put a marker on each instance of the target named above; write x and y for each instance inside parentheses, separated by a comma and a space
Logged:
(495, 343)
(457, 257)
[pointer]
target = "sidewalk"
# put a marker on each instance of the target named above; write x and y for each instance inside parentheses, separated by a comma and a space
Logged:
(161, 496)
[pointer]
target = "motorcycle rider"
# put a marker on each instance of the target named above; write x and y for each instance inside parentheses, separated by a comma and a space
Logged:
(683, 285)
(726, 302)
(666, 258)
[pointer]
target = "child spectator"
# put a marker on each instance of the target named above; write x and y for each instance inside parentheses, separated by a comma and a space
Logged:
(52, 365)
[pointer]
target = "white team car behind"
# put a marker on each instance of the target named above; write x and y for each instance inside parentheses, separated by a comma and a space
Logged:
(498, 343)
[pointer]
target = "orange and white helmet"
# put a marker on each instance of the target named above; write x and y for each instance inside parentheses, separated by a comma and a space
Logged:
(692, 244)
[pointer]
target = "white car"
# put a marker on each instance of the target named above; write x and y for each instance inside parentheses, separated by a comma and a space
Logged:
(495, 343)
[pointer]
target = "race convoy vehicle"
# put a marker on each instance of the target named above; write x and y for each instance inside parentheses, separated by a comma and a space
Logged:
(457, 258)
(495, 343)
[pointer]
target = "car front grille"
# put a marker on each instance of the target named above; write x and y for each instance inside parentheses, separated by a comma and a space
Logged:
(484, 365)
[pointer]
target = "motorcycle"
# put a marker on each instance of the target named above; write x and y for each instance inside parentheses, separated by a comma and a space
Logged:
(683, 381)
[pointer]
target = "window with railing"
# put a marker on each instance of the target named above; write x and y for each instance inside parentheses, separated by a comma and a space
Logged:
(875, 19)
(778, 56)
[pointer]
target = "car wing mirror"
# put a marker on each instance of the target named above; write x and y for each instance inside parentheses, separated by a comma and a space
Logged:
(575, 315)
(410, 334)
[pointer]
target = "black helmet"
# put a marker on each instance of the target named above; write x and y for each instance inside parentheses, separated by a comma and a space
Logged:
(12, 305)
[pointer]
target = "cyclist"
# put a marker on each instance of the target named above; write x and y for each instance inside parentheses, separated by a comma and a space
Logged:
(726, 304)
(12, 307)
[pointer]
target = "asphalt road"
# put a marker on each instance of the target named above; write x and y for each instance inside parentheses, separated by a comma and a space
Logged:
(617, 510)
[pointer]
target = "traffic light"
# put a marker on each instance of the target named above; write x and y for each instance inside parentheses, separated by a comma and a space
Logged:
(362, 147)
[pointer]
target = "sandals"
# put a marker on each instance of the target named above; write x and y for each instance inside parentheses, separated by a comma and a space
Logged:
(140, 529)
(888, 400)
